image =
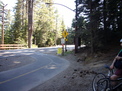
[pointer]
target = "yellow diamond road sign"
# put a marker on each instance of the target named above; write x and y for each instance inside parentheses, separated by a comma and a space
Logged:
(65, 33)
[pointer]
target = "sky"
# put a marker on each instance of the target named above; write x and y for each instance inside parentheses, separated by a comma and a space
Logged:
(65, 13)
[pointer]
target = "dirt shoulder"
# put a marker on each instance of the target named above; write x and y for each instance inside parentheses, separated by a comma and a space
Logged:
(78, 76)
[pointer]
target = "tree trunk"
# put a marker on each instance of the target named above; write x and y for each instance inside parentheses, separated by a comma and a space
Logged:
(91, 29)
(30, 22)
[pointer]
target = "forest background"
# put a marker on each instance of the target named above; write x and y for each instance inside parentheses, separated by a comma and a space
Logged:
(99, 24)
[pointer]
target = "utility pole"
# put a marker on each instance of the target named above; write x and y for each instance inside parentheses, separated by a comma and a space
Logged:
(30, 22)
(3, 12)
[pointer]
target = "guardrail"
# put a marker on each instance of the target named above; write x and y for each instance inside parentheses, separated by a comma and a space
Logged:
(11, 46)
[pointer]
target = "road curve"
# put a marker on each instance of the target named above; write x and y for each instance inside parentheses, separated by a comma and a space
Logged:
(29, 76)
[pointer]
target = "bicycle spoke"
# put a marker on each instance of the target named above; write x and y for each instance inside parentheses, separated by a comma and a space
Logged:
(99, 83)
(102, 85)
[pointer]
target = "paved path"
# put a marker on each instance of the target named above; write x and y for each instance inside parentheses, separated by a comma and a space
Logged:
(26, 77)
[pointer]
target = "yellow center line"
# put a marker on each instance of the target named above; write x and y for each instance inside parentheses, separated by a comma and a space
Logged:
(22, 75)
(51, 61)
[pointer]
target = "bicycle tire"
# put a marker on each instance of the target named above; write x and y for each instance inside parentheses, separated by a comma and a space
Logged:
(99, 82)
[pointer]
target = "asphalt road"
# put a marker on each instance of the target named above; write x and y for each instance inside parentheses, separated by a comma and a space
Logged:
(27, 77)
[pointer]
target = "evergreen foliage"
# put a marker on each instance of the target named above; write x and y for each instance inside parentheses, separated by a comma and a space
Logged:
(101, 25)
(46, 22)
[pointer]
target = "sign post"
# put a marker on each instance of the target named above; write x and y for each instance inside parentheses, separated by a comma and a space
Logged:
(64, 34)
(62, 42)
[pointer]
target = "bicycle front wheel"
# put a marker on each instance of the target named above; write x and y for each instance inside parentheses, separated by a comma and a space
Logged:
(99, 82)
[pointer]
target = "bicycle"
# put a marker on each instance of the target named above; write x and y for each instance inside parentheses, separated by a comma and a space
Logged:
(101, 82)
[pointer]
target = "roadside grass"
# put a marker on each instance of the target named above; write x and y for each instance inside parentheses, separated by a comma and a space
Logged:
(34, 46)
(68, 52)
